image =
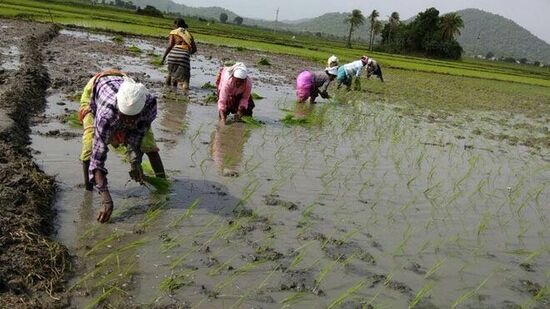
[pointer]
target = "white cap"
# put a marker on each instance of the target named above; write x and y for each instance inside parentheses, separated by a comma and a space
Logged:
(131, 97)
(239, 70)
(332, 71)
(332, 59)
(240, 73)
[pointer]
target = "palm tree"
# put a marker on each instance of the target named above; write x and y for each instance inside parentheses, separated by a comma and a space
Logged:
(394, 22)
(377, 29)
(450, 25)
(354, 20)
(372, 19)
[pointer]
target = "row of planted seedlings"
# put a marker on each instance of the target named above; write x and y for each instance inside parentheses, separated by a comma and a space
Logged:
(414, 170)
(474, 187)
(444, 198)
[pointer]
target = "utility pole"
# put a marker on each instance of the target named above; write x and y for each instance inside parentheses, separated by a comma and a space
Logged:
(277, 15)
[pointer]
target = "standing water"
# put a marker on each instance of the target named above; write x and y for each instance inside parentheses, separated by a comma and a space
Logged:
(353, 205)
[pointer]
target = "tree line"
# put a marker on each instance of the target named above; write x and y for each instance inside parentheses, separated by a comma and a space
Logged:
(237, 20)
(428, 33)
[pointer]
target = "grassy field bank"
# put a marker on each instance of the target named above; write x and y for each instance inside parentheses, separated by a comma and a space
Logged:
(118, 20)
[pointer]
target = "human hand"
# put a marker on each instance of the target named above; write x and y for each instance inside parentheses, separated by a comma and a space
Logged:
(136, 172)
(106, 207)
(222, 117)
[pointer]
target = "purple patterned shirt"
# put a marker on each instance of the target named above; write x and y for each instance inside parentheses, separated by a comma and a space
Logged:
(107, 122)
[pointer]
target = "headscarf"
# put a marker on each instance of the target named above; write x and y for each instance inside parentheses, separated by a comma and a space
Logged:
(238, 70)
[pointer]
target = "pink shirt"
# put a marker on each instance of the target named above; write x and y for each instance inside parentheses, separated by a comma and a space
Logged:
(228, 92)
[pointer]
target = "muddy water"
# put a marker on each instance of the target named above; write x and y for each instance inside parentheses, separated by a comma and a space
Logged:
(363, 206)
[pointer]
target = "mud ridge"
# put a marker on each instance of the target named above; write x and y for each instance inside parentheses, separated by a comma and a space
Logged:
(32, 266)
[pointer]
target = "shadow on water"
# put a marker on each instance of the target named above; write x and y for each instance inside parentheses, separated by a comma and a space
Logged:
(212, 197)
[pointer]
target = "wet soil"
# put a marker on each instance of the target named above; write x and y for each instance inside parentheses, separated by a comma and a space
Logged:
(378, 198)
(32, 265)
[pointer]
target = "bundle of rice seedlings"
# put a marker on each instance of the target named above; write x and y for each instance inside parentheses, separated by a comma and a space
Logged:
(73, 120)
(256, 96)
(161, 185)
(251, 121)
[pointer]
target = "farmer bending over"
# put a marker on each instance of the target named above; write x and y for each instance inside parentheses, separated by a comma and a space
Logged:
(118, 111)
(311, 84)
(348, 71)
(234, 88)
(332, 61)
(373, 68)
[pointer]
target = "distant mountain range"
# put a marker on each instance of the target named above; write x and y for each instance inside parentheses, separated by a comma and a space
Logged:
(483, 32)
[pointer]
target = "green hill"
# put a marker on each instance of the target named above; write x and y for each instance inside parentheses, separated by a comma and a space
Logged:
(170, 6)
(484, 32)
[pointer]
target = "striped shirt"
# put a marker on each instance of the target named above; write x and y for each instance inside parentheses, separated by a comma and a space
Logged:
(107, 121)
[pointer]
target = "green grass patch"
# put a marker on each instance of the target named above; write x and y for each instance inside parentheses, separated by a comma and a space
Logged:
(306, 46)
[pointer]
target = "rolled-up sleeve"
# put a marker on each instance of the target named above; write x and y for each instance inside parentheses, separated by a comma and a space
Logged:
(102, 131)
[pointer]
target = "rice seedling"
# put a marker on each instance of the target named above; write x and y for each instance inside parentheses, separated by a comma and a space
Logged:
(256, 96)
(223, 266)
(249, 120)
(134, 50)
(208, 85)
(117, 278)
(116, 254)
(241, 270)
(211, 98)
(346, 294)
(264, 61)
(407, 234)
(177, 281)
(422, 293)
(73, 120)
(434, 268)
(239, 302)
(292, 299)
(154, 211)
(103, 243)
(187, 214)
(324, 272)
(470, 293)
(155, 60)
(119, 39)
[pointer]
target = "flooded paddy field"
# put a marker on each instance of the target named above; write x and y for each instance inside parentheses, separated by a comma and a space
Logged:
(342, 204)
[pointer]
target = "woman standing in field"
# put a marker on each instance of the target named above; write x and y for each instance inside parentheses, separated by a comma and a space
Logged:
(181, 46)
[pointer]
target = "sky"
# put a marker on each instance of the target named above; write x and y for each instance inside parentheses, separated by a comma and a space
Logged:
(532, 14)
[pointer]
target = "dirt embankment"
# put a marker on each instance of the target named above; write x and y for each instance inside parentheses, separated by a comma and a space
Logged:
(32, 266)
